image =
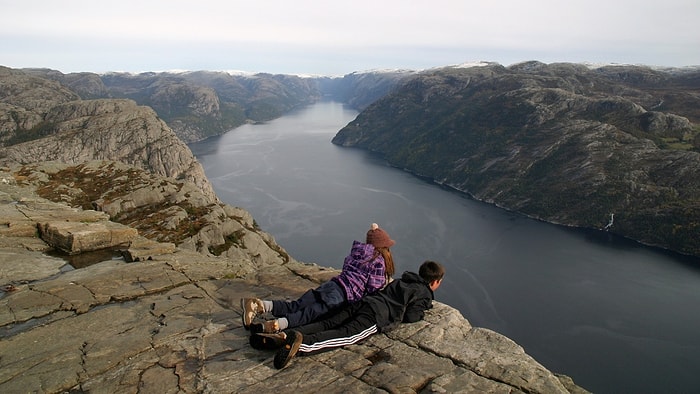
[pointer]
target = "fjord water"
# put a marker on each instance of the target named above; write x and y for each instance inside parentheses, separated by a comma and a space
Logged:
(616, 316)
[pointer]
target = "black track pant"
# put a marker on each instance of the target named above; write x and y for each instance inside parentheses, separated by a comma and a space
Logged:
(347, 326)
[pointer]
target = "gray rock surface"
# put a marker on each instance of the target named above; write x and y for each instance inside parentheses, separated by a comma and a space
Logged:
(119, 130)
(169, 321)
(42, 120)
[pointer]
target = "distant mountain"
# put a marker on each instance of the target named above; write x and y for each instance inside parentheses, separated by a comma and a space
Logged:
(612, 147)
(200, 104)
(360, 89)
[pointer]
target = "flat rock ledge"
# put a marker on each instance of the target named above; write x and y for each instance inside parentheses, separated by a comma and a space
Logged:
(171, 323)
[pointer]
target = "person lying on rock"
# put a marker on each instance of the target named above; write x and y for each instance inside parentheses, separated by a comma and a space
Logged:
(368, 268)
(404, 300)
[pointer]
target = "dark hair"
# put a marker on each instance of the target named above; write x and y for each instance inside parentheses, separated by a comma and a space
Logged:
(431, 271)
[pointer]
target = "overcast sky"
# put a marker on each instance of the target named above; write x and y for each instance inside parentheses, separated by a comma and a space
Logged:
(337, 38)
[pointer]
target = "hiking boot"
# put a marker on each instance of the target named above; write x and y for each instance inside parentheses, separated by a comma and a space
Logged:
(262, 341)
(289, 350)
(267, 327)
(251, 307)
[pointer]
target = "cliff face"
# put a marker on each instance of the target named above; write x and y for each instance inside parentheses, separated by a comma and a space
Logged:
(562, 143)
(79, 136)
(43, 121)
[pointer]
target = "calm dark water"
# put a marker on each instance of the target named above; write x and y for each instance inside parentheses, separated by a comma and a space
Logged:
(615, 316)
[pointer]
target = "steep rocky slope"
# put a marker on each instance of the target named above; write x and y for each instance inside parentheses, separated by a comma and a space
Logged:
(162, 209)
(563, 143)
(24, 100)
(40, 120)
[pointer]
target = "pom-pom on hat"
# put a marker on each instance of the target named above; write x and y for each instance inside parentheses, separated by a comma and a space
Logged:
(378, 237)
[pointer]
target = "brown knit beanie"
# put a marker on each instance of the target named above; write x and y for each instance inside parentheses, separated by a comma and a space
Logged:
(378, 237)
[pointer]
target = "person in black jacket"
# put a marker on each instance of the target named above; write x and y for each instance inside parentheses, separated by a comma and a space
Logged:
(404, 300)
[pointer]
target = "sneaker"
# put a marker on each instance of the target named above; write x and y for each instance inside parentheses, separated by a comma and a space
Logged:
(262, 341)
(267, 327)
(251, 307)
(289, 350)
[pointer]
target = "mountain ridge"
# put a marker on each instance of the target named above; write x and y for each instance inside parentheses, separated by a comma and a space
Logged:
(561, 143)
(200, 104)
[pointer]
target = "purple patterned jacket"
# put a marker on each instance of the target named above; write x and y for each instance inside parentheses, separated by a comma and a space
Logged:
(361, 275)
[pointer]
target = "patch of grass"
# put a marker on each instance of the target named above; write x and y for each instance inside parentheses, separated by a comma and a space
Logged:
(233, 239)
(86, 186)
(79, 186)
(675, 143)
(39, 131)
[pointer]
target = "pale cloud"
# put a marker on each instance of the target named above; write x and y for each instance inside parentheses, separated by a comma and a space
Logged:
(335, 38)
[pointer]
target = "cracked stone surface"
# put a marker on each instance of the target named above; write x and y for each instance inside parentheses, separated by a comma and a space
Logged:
(171, 323)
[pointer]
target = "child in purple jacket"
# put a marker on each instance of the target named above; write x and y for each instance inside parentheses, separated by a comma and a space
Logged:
(368, 268)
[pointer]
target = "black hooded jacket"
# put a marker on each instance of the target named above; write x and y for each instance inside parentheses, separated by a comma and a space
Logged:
(404, 300)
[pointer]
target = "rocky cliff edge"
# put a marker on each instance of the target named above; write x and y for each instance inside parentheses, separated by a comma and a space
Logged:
(157, 316)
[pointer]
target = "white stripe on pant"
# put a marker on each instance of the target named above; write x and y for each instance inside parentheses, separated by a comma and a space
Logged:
(337, 342)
